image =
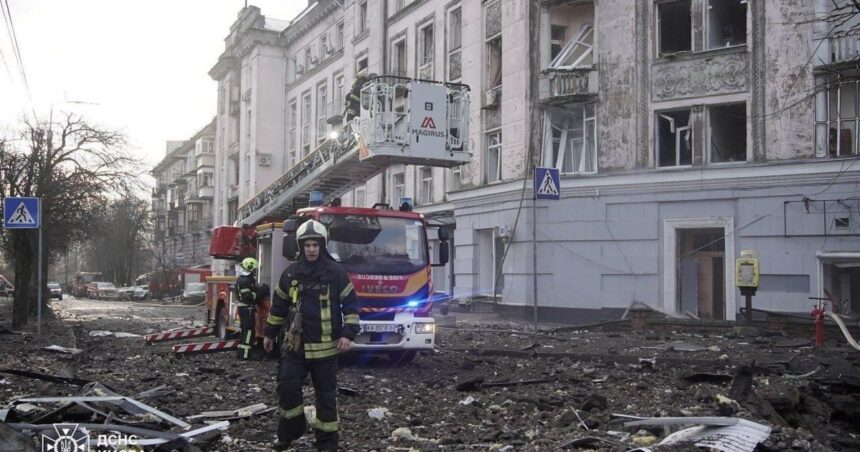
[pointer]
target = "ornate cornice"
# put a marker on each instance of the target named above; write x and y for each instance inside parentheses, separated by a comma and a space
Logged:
(225, 64)
(298, 28)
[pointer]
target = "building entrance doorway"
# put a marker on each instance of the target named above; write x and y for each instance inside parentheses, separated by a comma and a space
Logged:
(701, 272)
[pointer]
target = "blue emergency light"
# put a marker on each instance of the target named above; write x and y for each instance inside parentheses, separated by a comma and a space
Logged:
(316, 198)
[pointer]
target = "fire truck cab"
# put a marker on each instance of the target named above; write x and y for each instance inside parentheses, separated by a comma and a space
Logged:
(386, 255)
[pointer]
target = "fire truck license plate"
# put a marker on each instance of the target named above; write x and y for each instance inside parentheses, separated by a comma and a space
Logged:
(380, 328)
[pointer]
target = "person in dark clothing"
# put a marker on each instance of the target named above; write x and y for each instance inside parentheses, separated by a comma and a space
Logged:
(315, 302)
(353, 99)
(248, 296)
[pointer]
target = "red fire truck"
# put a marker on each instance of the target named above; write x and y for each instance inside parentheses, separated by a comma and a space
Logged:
(384, 251)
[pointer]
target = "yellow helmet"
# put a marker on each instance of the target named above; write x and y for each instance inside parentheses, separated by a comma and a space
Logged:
(250, 264)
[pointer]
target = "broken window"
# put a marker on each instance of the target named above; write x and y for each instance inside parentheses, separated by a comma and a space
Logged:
(426, 185)
(836, 117)
(569, 142)
(361, 64)
(674, 27)
(558, 34)
(674, 138)
(577, 51)
(727, 127)
(494, 156)
(726, 23)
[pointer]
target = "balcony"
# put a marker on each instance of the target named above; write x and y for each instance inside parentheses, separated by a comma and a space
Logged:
(844, 46)
(177, 177)
(567, 84)
(206, 193)
(204, 160)
(191, 196)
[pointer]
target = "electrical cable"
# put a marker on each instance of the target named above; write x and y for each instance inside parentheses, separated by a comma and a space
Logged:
(527, 164)
(16, 48)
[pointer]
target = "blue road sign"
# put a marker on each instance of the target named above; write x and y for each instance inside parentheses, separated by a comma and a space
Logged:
(22, 213)
(547, 184)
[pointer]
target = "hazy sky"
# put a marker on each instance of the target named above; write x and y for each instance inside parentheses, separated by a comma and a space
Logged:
(144, 64)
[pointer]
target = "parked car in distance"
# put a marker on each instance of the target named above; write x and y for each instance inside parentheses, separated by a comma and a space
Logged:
(194, 292)
(125, 293)
(140, 293)
(56, 290)
(101, 291)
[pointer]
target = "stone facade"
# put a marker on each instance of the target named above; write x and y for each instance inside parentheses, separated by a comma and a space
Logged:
(685, 132)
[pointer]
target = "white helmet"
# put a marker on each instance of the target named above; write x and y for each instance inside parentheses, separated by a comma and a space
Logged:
(312, 229)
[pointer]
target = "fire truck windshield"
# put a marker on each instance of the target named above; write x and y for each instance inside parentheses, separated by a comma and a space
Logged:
(377, 245)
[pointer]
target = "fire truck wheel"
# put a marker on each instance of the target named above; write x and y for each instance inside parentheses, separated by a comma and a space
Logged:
(401, 357)
(220, 323)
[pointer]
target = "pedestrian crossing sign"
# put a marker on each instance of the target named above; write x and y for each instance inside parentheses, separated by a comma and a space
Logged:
(21, 213)
(547, 184)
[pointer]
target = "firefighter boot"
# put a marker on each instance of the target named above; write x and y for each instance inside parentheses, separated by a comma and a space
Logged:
(324, 376)
(246, 325)
(291, 422)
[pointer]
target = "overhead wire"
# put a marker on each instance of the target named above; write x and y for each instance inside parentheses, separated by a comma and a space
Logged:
(16, 50)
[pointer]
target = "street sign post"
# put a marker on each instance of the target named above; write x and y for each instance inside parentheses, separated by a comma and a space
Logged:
(546, 186)
(26, 213)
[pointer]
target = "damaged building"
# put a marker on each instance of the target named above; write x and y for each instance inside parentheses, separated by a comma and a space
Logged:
(684, 132)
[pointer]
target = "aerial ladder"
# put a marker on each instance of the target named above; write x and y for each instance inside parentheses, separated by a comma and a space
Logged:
(415, 122)
(401, 121)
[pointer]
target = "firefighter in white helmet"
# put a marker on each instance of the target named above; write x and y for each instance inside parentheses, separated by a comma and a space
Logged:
(315, 302)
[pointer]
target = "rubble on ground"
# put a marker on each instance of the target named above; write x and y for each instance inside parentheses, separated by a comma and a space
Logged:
(488, 387)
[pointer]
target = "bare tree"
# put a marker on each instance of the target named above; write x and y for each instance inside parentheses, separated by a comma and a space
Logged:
(73, 167)
(122, 250)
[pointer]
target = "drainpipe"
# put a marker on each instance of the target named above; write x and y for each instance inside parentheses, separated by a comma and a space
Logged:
(383, 191)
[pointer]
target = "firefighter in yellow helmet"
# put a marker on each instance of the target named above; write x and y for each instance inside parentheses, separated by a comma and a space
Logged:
(249, 296)
(316, 303)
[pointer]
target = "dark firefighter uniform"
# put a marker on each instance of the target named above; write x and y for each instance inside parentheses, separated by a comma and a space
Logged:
(247, 292)
(323, 295)
(353, 99)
